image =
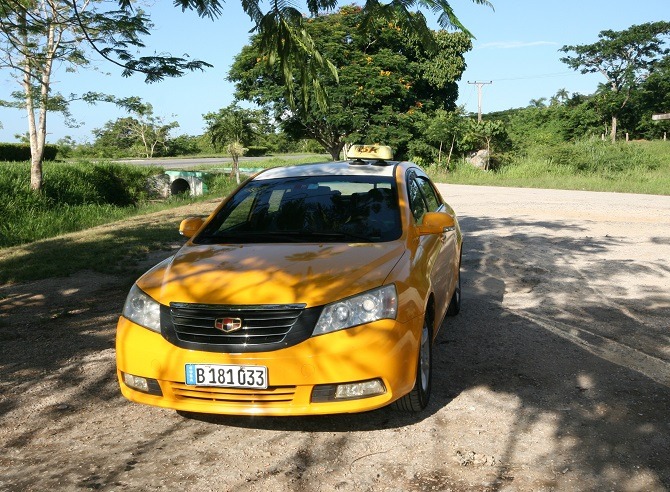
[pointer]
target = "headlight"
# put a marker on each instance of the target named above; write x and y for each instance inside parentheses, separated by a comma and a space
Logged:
(364, 308)
(142, 309)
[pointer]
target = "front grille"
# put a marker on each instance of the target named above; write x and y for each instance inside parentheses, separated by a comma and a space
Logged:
(263, 327)
(258, 325)
(273, 394)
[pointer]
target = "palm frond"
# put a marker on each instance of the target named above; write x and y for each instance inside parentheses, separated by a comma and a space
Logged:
(284, 40)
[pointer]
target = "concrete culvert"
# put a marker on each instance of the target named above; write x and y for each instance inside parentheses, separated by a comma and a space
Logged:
(179, 187)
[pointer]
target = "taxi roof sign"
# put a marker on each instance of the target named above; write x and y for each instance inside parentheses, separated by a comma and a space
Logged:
(383, 152)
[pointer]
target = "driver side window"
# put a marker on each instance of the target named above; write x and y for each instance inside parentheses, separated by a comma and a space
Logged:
(422, 197)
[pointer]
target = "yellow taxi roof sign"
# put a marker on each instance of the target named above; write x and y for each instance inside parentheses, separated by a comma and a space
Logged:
(383, 152)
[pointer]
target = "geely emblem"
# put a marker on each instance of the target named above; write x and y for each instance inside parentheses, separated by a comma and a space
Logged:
(228, 325)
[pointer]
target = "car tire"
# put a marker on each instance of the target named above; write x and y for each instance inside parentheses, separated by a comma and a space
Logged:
(417, 399)
(455, 303)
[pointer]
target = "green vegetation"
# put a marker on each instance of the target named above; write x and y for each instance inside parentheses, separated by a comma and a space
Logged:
(84, 194)
(633, 167)
(16, 152)
(381, 88)
(81, 195)
(113, 248)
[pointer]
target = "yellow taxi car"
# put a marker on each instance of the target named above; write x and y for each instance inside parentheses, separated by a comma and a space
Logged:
(312, 289)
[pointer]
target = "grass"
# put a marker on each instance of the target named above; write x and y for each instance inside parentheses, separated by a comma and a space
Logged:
(635, 167)
(112, 248)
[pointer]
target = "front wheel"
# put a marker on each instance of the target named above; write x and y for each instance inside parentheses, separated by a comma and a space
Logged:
(417, 399)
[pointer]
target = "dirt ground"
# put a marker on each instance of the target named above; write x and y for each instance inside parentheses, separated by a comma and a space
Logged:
(555, 376)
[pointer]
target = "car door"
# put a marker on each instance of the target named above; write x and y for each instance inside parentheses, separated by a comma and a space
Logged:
(440, 250)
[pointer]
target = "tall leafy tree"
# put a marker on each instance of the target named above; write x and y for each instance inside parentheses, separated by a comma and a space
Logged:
(35, 35)
(655, 98)
(385, 77)
(283, 37)
(625, 58)
(115, 138)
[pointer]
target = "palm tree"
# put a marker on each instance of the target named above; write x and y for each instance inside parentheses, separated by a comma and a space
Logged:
(538, 103)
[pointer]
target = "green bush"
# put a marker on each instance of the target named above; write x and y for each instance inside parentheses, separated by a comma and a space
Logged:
(256, 151)
(183, 145)
(15, 152)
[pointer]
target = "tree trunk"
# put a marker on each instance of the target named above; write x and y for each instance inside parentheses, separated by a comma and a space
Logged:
(613, 131)
(35, 154)
(37, 130)
(236, 168)
(334, 150)
(451, 151)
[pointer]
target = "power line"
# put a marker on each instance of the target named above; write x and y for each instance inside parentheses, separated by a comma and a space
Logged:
(541, 76)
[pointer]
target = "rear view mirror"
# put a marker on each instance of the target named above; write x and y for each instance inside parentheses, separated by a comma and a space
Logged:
(190, 226)
(436, 223)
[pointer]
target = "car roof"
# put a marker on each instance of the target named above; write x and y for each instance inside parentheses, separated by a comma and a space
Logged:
(356, 167)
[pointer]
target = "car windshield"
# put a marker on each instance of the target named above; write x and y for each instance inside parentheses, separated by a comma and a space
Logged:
(308, 209)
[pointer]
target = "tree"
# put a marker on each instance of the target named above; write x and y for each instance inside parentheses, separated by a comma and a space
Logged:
(114, 139)
(284, 38)
(484, 133)
(438, 133)
(141, 134)
(149, 129)
(625, 58)
(232, 127)
(385, 77)
(538, 103)
(654, 97)
(37, 34)
(561, 96)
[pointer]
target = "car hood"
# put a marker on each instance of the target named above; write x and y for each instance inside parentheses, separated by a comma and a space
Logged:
(310, 274)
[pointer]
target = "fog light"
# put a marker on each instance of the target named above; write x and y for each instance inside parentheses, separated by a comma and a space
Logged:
(145, 385)
(323, 393)
(360, 390)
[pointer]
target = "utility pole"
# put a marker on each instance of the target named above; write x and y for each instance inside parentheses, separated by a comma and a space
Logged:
(479, 97)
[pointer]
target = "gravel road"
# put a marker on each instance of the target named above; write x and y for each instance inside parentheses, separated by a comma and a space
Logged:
(555, 376)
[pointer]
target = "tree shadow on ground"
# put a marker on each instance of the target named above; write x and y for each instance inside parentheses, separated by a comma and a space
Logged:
(532, 331)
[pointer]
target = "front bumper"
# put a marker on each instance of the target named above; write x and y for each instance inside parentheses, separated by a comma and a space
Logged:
(385, 349)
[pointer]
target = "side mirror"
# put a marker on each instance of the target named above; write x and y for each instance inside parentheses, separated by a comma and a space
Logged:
(190, 226)
(436, 223)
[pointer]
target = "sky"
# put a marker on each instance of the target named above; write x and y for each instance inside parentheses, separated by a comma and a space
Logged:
(515, 48)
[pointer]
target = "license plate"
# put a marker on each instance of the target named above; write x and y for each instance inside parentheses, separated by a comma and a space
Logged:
(227, 376)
